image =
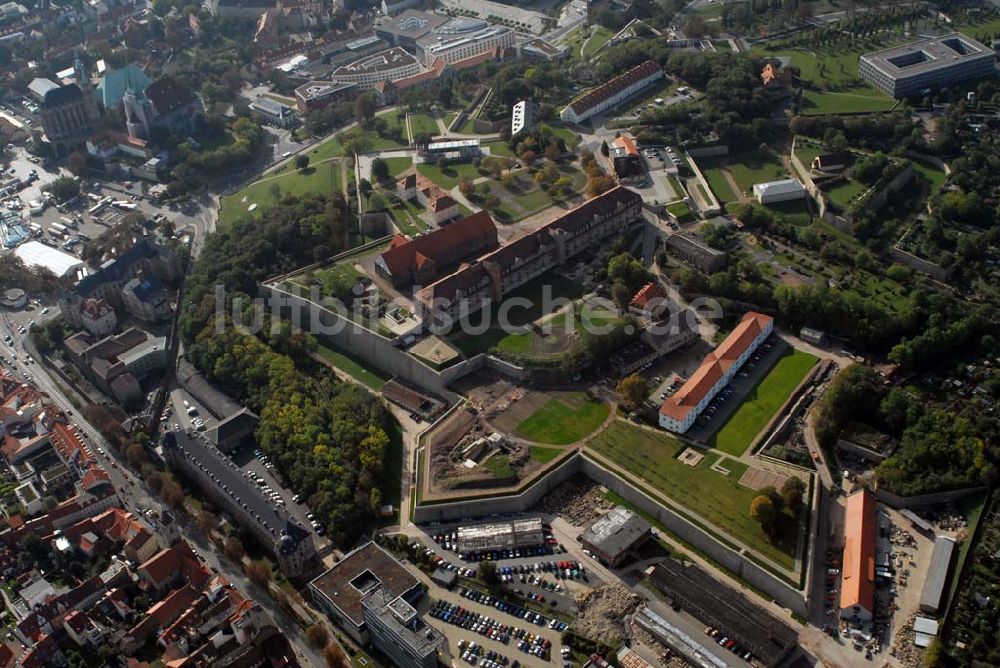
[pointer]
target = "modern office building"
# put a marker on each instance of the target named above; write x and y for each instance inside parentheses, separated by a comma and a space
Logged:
(273, 112)
(926, 64)
(611, 93)
(409, 26)
(678, 412)
(389, 65)
(522, 117)
(396, 630)
(340, 591)
(462, 38)
(319, 94)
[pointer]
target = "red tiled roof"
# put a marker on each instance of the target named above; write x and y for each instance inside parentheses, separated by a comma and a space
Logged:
(625, 142)
(613, 86)
(440, 244)
(858, 568)
(714, 366)
(95, 476)
(651, 290)
(439, 204)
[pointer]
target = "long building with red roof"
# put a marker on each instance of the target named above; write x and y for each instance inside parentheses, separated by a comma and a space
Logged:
(678, 412)
(612, 92)
(857, 573)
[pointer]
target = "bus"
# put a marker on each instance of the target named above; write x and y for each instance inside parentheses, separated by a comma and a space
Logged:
(100, 206)
(68, 222)
(35, 228)
(124, 205)
(55, 229)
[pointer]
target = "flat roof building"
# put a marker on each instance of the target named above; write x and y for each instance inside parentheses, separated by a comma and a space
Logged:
(779, 191)
(766, 637)
(340, 590)
(389, 65)
(926, 64)
(500, 535)
(937, 574)
(396, 630)
(695, 251)
(462, 38)
(273, 112)
(616, 535)
(37, 254)
(857, 587)
(409, 26)
(318, 94)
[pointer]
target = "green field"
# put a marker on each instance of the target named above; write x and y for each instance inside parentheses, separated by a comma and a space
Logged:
(499, 148)
(562, 423)
(935, 177)
(795, 212)
(598, 38)
(844, 193)
(424, 124)
(681, 211)
(761, 403)
(755, 167)
(318, 178)
(360, 371)
(449, 177)
(398, 165)
(717, 181)
(719, 499)
(851, 99)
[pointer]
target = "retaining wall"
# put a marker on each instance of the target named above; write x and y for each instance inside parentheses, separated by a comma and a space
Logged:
(782, 592)
(921, 500)
(709, 151)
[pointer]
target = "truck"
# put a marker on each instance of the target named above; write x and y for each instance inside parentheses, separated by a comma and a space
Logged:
(68, 222)
(100, 206)
(55, 229)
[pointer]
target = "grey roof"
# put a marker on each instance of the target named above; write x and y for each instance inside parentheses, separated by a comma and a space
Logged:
(917, 520)
(616, 532)
(928, 54)
(937, 573)
(40, 86)
(216, 468)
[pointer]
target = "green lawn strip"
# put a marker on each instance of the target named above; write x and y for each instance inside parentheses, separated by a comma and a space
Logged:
(761, 403)
(468, 127)
(288, 101)
(354, 367)
(719, 184)
(559, 424)
(449, 118)
(718, 498)
(681, 211)
(544, 455)
(755, 167)
(451, 175)
(852, 100)
(564, 132)
(424, 124)
(598, 38)
(806, 152)
(392, 473)
(935, 177)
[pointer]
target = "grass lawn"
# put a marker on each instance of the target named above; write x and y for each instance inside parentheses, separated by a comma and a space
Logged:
(318, 178)
(854, 99)
(544, 455)
(934, 176)
(755, 167)
(354, 367)
(562, 423)
(448, 118)
(499, 148)
(806, 151)
(468, 127)
(398, 165)
(719, 499)
(762, 402)
(718, 183)
(424, 124)
(560, 131)
(844, 192)
(289, 101)
(681, 211)
(598, 38)
(410, 224)
(795, 212)
(451, 175)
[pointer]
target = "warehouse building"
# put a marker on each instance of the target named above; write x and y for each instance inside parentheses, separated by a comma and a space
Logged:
(753, 628)
(926, 64)
(500, 536)
(857, 588)
(937, 575)
(616, 536)
(784, 190)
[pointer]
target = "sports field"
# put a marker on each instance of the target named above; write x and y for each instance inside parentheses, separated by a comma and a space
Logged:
(718, 498)
(762, 403)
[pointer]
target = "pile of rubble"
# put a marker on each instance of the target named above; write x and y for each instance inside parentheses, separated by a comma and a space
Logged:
(579, 502)
(664, 654)
(951, 522)
(903, 649)
(902, 537)
(602, 613)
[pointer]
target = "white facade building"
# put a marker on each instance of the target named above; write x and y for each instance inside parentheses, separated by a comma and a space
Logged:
(779, 191)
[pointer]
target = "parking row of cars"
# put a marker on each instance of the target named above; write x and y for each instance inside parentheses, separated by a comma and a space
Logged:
(706, 416)
(486, 626)
(513, 609)
(473, 654)
(729, 644)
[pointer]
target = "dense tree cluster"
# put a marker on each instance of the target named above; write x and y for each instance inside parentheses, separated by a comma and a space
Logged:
(247, 136)
(327, 438)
